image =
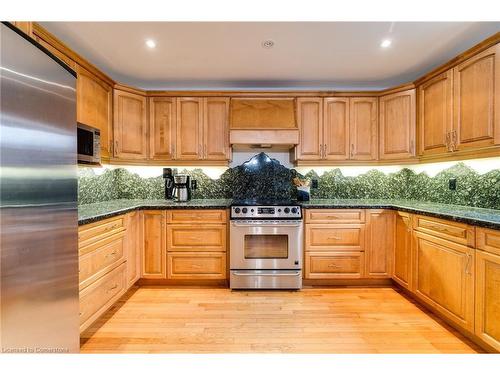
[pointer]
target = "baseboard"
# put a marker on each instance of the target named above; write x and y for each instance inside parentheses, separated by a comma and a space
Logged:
(348, 282)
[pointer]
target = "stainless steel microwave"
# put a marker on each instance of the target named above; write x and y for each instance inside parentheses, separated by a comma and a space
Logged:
(89, 144)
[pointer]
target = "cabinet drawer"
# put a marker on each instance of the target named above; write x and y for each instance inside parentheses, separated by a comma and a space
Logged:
(99, 296)
(196, 238)
(449, 230)
(334, 216)
(196, 265)
(87, 234)
(101, 257)
(196, 216)
(335, 237)
(488, 240)
(334, 265)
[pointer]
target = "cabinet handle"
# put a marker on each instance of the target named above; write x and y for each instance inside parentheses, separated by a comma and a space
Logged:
(448, 141)
(454, 140)
(116, 148)
(334, 238)
(324, 151)
(332, 265)
(412, 147)
(468, 264)
(352, 150)
(113, 287)
(111, 254)
(321, 151)
(200, 151)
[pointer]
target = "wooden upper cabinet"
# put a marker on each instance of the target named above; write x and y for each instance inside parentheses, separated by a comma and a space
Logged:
(216, 129)
(435, 113)
(130, 133)
(60, 55)
(363, 128)
(189, 129)
(336, 128)
(477, 100)
(162, 128)
(94, 103)
(310, 121)
(397, 121)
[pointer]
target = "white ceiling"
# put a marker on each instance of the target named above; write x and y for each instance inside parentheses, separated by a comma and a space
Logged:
(306, 55)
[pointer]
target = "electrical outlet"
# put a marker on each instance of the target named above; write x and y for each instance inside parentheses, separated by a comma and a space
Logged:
(314, 183)
(452, 183)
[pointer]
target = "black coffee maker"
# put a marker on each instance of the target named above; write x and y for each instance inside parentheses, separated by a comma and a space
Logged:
(169, 182)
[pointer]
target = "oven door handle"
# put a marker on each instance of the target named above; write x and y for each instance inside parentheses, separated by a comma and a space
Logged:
(260, 224)
(236, 273)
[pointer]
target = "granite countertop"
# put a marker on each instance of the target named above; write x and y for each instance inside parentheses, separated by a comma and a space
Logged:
(483, 217)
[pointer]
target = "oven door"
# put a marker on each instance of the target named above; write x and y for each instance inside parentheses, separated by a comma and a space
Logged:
(266, 245)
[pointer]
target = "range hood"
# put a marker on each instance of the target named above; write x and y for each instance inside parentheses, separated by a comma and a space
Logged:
(263, 122)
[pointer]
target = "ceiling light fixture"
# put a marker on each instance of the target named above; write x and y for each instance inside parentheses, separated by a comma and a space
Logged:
(267, 44)
(386, 43)
(150, 43)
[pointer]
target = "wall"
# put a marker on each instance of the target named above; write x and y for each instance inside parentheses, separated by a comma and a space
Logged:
(478, 182)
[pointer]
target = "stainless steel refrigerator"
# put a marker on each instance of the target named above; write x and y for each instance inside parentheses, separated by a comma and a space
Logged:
(38, 200)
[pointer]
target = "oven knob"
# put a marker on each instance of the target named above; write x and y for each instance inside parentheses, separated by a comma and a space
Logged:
(287, 210)
(244, 210)
(237, 210)
(251, 210)
(294, 210)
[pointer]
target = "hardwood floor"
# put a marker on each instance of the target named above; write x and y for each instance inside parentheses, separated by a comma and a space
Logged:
(337, 320)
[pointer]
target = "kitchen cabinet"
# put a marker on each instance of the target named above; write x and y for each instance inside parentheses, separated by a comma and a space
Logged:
(334, 265)
(134, 243)
(436, 114)
(397, 125)
(41, 38)
(363, 128)
(196, 244)
(444, 277)
(216, 129)
(477, 101)
(162, 128)
(402, 259)
(379, 243)
(310, 121)
(25, 26)
(337, 129)
(449, 230)
(202, 129)
(94, 103)
(130, 126)
(154, 260)
(334, 216)
(487, 324)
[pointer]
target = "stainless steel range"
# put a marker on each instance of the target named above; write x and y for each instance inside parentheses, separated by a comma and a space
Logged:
(266, 245)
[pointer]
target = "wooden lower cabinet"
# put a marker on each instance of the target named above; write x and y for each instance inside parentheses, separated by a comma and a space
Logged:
(154, 259)
(444, 277)
(186, 237)
(379, 243)
(101, 295)
(134, 242)
(342, 237)
(334, 265)
(487, 318)
(402, 259)
(195, 265)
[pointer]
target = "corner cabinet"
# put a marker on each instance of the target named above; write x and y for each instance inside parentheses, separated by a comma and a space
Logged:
(403, 263)
(94, 107)
(130, 126)
(379, 243)
(154, 262)
(397, 125)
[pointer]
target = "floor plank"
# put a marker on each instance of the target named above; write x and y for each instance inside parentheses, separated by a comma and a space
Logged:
(334, 320)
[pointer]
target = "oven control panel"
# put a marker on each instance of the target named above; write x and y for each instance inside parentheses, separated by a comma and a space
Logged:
(266, 212)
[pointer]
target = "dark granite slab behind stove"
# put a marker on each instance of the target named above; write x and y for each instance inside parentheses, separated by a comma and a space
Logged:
(483, 217)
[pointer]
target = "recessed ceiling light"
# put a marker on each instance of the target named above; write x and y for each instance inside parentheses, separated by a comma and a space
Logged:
(386, 43)
(150, 43)
(267, 44)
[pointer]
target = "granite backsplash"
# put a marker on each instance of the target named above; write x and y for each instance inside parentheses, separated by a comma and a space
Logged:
(265, 177)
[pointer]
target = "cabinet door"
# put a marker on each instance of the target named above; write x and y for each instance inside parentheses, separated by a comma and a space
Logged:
(94, 102)
(154, 260)
(435, 114)
(336, 128)
(402, 269)
(379, 243)
(488, 298)
(363, 128)
(162, 128)
(444, 277)
(189, 128)
(477, 100)
(130, 132)
(397, 119)
(216, 128)
(310, 120)
(134, 242)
